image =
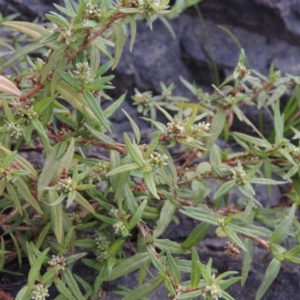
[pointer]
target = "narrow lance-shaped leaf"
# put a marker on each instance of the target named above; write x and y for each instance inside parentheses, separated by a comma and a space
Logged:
(173, 268)
(134, 151)
(171, 246)
(150, 183)
(197, 235)
(195, 272)
(68, 278)
(36, 267)
(247, 259)
(31, 29)
(119, 41)
(283, 228)
(61, 287)
(271, 274)
(216, 127)
(135, 128)
(132, 23)
(8, 87)
(166, 215)
(129, 265)
(96, 109)
(137, 216)
(26, 194)
(56, 213)
(145, 289)
(156, 262)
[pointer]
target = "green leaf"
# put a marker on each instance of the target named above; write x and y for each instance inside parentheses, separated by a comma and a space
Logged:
(34, 271)
(42, 133)
(56, 57)
(31, 29)
(56, 213)
(101, 136)
(70, 80)
(23, 190)
(150, 183)
(129, 265)
(224, 189)
(265, 181)
(134, 151)
(23, 51)
(137, 216)
(119, 40)
(170, 246)
(8, 113)
(247, 259)
(271, 274)
(24, 293)
(52, 273)
(54, 163)
(173, 268)
(197, 235)
(166, 215)
(135, 128)
(96, 109)
(125, 168)
(234, 237)
(84, 203)
(114, 106)
(61, 287)
(132, 23)
(216, 127)
(58, 20)
(74, 98)
(156, 262)
(195, 272)
(145, 289)
(278, 123)
(94, 60)
(68, 278)
(250, 139)
(282, 229)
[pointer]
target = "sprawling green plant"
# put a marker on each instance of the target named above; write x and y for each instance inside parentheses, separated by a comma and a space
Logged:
(78, 201)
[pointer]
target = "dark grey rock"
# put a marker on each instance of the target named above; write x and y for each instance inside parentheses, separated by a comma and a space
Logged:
(28, 10)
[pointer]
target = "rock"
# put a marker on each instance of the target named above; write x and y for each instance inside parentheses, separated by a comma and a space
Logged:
(28, 10)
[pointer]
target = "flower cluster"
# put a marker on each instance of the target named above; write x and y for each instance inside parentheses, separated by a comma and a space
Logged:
(200, 129)
(143, 99)
(175, 129)
(99, 171)
(19, 106)
(102, 247)
(232, 249)
(74, 218)
(293, 150)
(121, 229)
(92, 11)
(180, 290)
(27, 114)
(145, 6)
(212, 292)
(238, 175)
(15, 131)
(157, 160)
(57, 261)
(83, 72)
(65, 185)
(64, 34)
(39, 292)
(241, 72)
